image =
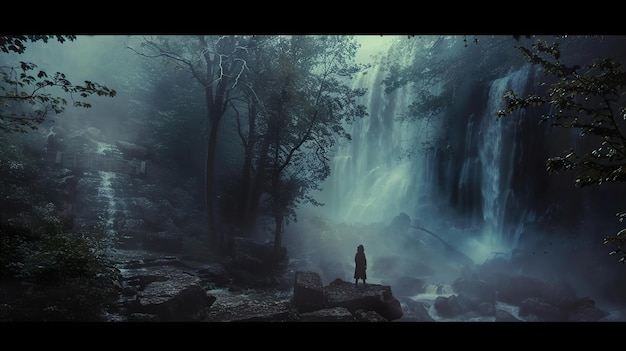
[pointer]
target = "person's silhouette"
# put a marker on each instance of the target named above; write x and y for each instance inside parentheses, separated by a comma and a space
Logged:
(361, 266)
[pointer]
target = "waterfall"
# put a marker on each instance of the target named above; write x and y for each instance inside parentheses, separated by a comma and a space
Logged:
(106, 194)
(105, 191)
(370, 180)
(497, 156)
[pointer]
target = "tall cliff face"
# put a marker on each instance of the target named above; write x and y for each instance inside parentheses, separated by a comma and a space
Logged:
(487, 188)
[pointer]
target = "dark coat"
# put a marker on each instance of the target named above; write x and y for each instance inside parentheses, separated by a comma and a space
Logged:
(361, 265)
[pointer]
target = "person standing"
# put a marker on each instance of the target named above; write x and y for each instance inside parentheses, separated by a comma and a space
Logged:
(361, 266)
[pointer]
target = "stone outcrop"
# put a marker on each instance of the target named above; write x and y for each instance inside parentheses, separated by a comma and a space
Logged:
(160, 288)
(310, 301)
(331, 302)
(480, 293)
(308, 292)
(165, 288)
(375, 297)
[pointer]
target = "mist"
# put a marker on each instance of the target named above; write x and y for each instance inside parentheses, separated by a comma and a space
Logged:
(427, 197)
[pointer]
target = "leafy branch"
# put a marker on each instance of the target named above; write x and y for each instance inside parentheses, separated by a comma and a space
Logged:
(24, 100)
(590, 99)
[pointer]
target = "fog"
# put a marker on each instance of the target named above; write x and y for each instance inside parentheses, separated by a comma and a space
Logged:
(428, 215)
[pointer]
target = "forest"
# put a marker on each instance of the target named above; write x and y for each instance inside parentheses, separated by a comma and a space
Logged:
(443, 155)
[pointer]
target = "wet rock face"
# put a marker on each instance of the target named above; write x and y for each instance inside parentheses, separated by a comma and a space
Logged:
(173, 296)
(165, 288)
(373, 297)
(160, 288)
(308, 292)
(480, 294)
(311, 296)
(135, 212)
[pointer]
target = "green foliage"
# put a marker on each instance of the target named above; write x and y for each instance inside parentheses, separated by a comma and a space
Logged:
(618, 240)
(62, 276)
(25, 100)
(303, 98)
(17, 43)
(60, 258)
(286, 98)
(66, 277)
(46, 273)
(54, 276)
(588, 98)
(436, 68)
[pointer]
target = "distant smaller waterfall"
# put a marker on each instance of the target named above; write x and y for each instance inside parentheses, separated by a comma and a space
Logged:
(105, 191)
(106, 194)
(497, 156)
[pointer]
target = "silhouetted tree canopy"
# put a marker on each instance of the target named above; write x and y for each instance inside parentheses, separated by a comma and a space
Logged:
(25, 97)
(589, 98)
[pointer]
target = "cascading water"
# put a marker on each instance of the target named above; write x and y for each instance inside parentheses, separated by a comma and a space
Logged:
(371, 181)
(105, 190)
(497, 156)
(107, 195)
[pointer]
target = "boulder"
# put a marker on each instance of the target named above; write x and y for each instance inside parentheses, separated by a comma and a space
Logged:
(251, 307)
(374, 297)
(165, 288)
(505, 316)
(337, 314)
(311, 302)
(308, 292)
(159, 288)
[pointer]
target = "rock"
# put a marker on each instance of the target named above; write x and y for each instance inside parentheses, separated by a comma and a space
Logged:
(514, 289)
(337, 314)
(415, 311)
(374, 297)
(585, 310)
(159, 288)
(252, 307)
(130, 150)
(447, 306)
(308, 292)
(505, 316)
(177, 299)
(369, 316)
(401, 222)
(311, 302)
(478, 291)
(164, 288)
(542, 310)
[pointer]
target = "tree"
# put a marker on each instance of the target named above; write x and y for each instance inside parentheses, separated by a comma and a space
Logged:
(588, 98)
(47, 273)
(216, 64)
(293, 92)
(437, 69)
(24, 100)
(298, 100)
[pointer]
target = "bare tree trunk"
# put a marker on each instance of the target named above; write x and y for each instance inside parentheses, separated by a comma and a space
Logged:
(215, 239)
(248, 204)
(278, 232)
